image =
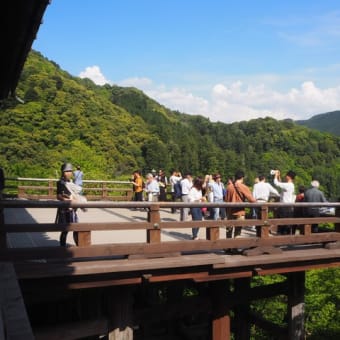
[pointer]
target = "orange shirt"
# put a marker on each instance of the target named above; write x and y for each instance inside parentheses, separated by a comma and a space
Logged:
(242, 194)
(139, 186)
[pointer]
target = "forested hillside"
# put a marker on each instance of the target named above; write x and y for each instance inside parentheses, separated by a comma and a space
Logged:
(326, 122)
(111, 131)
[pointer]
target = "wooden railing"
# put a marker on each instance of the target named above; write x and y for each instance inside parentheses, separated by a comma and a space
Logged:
(45, 188)
(154, 226)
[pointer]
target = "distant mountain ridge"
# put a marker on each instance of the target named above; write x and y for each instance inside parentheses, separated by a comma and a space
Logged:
(325, 122)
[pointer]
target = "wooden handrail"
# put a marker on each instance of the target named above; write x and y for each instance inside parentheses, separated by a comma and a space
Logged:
(34, 188)
(154, 226)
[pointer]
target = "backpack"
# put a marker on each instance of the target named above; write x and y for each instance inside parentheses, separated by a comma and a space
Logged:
(178, 189)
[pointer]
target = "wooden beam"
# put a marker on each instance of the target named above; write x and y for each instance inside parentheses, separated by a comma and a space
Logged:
(296, 305)
(220, 314)
(242, 309)
(120, 313)
(122, 249)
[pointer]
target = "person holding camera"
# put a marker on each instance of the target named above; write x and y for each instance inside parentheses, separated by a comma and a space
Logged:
(287, 195)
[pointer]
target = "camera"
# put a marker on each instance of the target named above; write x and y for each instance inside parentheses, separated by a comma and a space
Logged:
(273, 172)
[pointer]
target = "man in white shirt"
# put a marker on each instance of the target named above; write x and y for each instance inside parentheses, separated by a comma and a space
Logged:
(186, 185)
(287, 196)
(262, 191)
(217, 188)
(151, 188)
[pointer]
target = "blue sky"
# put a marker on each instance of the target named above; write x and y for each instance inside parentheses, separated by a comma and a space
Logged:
(226, 60)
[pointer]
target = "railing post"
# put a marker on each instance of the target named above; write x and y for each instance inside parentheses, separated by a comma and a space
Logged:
(337, 214)
(104, 191)
(212, 233)
(306, 229)
(84, 238)
(263, 230)
(21, 192)
(50, 189)
(129, 195)
(154, 217)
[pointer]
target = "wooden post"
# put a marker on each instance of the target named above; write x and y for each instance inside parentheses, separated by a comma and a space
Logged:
(263, 231)
(306, 229)
(296, 305)
(50, 190)
(221, 317)
(120, 313)
(337, 225)
(104, 191)
(84, 238)
(213, 233)
(154, 217)
(242, 311)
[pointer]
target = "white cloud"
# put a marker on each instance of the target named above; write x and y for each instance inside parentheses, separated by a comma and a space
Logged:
(95, 74)
(236, 101)
(137, 82)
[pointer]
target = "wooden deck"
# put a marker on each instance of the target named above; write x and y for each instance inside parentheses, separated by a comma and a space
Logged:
(155, 259)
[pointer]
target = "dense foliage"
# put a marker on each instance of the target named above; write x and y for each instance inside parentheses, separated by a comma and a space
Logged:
(322, 304)
(327, 122)
(111, 131)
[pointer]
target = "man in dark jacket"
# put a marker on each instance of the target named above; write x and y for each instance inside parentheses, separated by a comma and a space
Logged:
(313, 194)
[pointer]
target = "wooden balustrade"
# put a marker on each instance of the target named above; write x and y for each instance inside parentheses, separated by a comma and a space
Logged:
(154, 226)
(45, 188)
(122, 267)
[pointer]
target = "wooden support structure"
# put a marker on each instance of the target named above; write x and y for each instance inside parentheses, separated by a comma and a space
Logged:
(242, 310)
(120, 306)
(296, 305)
(14, 323)
(154, 235)
(140, 287)
(220, 311)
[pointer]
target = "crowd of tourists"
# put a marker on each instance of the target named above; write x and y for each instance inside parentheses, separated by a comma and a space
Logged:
(212, 188)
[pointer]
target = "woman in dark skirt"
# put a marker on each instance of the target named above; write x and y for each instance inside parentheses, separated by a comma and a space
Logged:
(66, 215)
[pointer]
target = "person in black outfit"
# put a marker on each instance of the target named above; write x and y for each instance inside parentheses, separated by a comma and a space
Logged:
(66, 215)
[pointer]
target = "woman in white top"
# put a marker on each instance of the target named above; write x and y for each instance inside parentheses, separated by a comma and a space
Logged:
(195, 195)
